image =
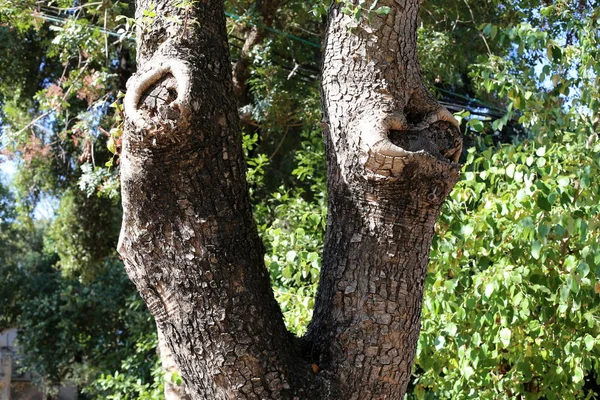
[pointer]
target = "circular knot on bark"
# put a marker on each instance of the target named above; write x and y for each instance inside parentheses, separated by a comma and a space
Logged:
(388, 143)
(166, 114)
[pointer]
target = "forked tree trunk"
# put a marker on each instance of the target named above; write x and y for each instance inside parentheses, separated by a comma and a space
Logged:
(188, 237)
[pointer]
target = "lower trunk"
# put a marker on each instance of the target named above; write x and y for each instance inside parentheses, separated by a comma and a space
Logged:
(172, 390)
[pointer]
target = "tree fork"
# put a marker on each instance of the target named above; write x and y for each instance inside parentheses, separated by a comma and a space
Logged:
(189, 240)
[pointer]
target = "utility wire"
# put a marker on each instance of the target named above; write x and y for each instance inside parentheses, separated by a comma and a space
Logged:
(267, 28)
(469, 99)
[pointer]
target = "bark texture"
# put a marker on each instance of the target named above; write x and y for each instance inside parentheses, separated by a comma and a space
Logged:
(391, 154)
(172, 391)
(189, 241)
(188, 237)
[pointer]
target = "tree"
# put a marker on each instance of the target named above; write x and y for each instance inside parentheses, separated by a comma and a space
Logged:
(190, 243)
(511, 290)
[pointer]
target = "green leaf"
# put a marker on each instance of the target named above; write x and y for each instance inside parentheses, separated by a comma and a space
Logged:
(493, 32)
(291, 256)
(476, 125)
(468, 371)
(564, 293)
(574, 284)
(577, 374)
(287, 273)
(536, 248)
(489, 290)
(543, 203)
(589, 342)
(440, 341)
(487, 30)
(451, 329)
(383, 10)
(505, 336)
(510, 170)
(541, 151)
(110, 145)
(583, 268)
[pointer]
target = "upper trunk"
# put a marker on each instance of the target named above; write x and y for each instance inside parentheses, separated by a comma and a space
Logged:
(189, 240)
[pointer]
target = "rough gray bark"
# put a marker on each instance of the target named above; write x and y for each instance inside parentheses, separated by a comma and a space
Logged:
(172, 391)
(188, 237)
(391, 154)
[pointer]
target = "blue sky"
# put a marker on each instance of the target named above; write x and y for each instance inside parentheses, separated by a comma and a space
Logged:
(7, 169)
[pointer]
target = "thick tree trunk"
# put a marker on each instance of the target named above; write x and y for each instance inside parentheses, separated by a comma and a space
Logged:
(188, 237)
(384, 199)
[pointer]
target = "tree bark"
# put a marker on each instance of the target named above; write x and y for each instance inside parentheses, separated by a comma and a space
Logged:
(391, 156)
(172, 391)
(189, 240)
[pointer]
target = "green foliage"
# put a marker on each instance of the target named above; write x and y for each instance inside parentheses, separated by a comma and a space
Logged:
(512, 301)
(83, 233)
(66, 71)
(71, 331)
(20, 252)
(294, 244)
(512, 294)
(139, 375)
(291, 222)
(84, 322)
(358, 11)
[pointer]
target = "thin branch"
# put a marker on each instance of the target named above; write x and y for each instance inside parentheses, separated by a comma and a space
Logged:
(33, 122)
(480, 33)
(287, 128)
(106, 36)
